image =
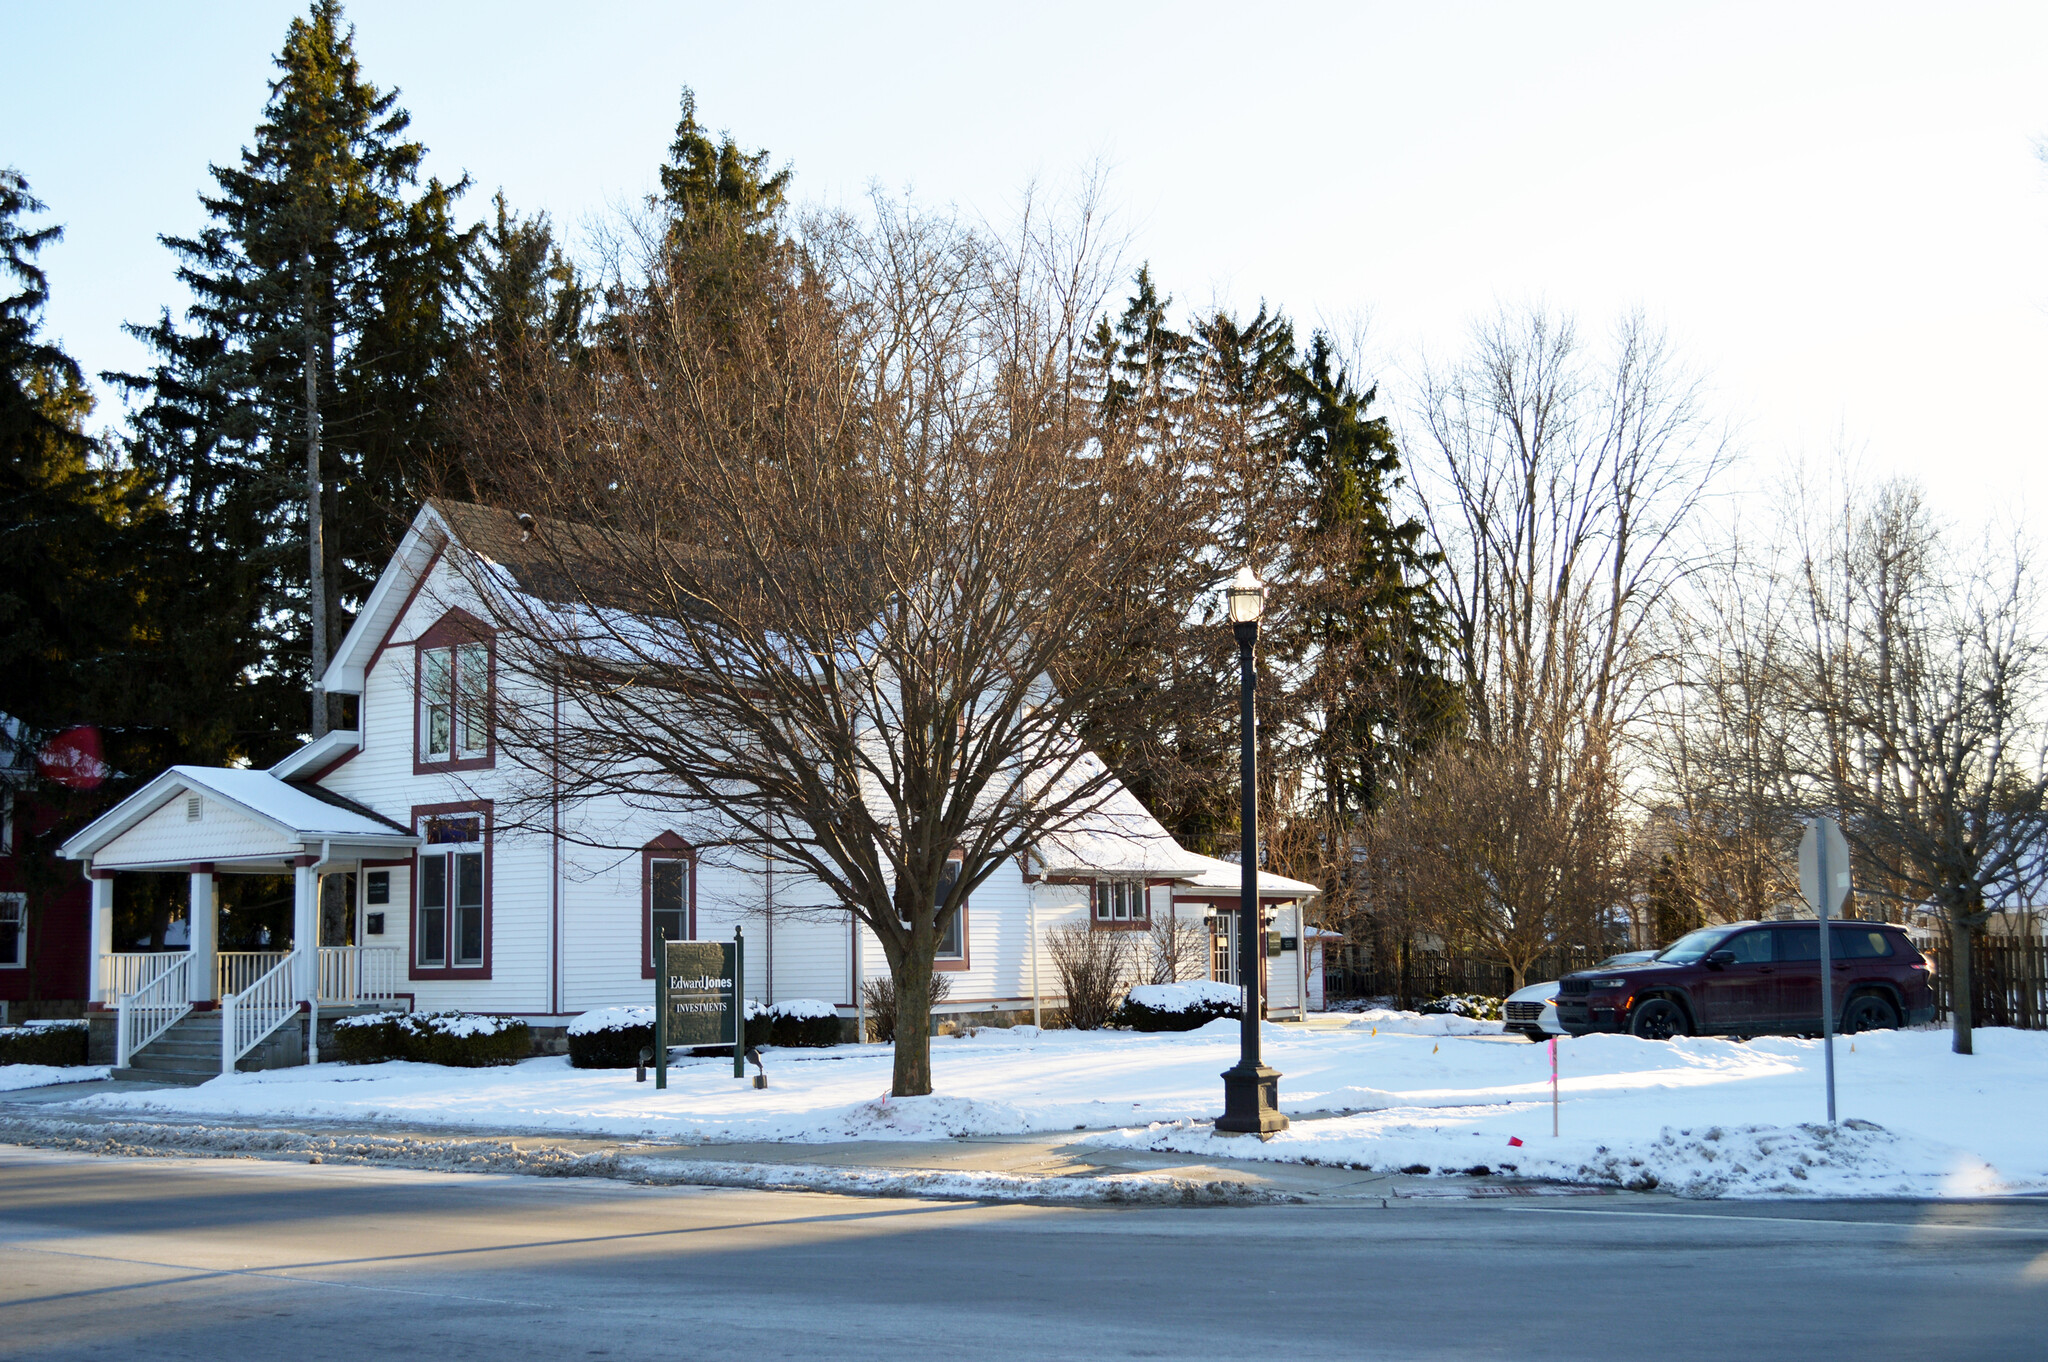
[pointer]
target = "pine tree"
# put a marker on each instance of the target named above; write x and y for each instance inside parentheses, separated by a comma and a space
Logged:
(1371, 629)
(705, 181)
(293, 418)
(67, 580)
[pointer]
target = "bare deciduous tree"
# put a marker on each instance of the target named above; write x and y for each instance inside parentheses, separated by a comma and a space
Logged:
(1915, 681)
(818, 562)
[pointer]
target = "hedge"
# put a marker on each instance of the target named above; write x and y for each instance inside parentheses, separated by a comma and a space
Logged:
(44, 1042)
(1463, 1005)
(1179, 1007)
(459, 1039)
(613, 1037)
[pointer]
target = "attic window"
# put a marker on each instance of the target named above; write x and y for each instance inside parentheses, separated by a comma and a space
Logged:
(193, 806)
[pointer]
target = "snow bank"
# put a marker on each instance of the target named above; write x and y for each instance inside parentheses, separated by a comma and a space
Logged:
(1423, 1023)
(1939, 1124)
(13, 1076)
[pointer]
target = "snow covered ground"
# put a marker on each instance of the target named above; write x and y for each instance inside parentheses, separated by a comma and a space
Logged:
(14, 1076)
(1388, 1091)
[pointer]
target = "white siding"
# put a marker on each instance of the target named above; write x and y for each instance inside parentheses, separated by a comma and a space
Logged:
(166, 835)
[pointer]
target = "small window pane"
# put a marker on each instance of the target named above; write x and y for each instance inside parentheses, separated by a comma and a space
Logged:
(433, 936)
(433, 882)
(949, 941)
(434, 682)
(13, 930)
(377, 887)
(440, 730)
(470, 935)
(667, 900)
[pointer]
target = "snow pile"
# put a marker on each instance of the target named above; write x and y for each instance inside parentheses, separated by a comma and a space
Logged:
(923, 1118)
(1393, 1022)
(13, 1076)
(611, 1019)
(1188, 997)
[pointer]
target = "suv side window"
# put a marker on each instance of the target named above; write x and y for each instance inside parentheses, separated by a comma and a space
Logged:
(1751, 948)
(1799, 943)
(1860, 943)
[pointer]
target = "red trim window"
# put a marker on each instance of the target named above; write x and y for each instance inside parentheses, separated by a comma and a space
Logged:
(451, 916)
(453, 677)
(13, 931)
(1120, 905)
(668, 897)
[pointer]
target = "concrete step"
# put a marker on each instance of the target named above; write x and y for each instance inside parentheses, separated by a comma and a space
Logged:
(189, 1078)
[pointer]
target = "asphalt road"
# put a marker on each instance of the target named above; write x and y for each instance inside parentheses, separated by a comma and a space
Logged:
(234, 1259)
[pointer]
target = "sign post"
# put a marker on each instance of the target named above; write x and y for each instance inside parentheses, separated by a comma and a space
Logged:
(1824, 881)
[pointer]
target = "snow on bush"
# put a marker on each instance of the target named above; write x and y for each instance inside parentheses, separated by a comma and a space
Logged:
(58, 1041)
(1391, 1021)
(461, 1039)
(1463, 1005)
(611, 1019)
(1179, 1007)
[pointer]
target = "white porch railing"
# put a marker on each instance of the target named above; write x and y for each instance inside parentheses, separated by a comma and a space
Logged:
(132, 971)
(153, 1009)
(250, 1014)
(359, 974)
(237, 970)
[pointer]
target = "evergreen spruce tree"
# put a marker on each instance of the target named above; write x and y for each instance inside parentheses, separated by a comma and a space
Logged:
(292, 418)
(705, 181)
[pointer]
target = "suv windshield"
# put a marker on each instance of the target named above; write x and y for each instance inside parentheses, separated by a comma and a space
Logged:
(1693, 946)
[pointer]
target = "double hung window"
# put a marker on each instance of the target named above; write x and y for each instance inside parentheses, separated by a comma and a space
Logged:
(450, 932)
(13, 931)
(1120, 902)
(952, 944)
(668, 904)
(455, 688)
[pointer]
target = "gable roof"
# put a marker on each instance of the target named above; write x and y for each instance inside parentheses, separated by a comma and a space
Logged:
(299, 812)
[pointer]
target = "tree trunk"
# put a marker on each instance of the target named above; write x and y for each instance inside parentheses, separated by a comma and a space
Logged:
(913, 1052)
(1959, 934)
(316, 549)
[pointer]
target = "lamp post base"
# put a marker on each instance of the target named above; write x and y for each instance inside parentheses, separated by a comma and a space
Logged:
(1251, 1101)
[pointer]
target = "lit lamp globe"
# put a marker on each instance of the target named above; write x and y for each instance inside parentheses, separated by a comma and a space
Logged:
(1247, 597)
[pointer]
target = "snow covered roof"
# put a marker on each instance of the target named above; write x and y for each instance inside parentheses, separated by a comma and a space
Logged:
(1222, 877)
(304, 815)
(1119, 836)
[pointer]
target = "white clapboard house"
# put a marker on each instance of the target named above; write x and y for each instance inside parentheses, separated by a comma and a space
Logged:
(409, 893)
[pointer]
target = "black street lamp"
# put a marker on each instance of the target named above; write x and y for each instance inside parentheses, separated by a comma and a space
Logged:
(1251, 1091)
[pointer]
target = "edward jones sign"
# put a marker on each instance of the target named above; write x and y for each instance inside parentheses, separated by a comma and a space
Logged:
(697, 991)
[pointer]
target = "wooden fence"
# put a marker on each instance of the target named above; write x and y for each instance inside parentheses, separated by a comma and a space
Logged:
(2008, 983)
(1414, 977)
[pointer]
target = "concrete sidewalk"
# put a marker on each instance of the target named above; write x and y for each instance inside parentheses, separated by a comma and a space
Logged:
(1042, 1166)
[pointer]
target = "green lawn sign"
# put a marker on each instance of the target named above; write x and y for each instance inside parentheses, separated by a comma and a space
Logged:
(697, 1000)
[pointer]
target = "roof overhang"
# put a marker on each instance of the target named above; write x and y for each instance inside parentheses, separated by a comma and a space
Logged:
(303, 823)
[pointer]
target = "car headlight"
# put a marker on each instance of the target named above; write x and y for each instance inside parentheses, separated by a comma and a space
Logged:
(1610, 983)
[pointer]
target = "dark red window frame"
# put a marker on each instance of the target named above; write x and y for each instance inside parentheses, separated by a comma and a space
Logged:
(667, 847)
(414, 969)
(456, 627)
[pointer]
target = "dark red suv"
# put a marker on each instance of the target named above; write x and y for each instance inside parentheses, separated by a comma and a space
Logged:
(1755, 979)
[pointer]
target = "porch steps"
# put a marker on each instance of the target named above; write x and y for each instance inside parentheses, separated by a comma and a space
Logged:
(188, 1053)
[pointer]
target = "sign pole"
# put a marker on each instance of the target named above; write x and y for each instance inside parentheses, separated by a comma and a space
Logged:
(661, 1013)
(1827, 972)
(739, 1003)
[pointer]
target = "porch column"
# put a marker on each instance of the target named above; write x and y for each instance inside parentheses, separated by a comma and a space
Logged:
(204, 917)
(102, 935)
(306, 927)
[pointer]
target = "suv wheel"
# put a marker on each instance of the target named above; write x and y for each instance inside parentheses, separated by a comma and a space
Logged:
(1869, 1012)
(1658, 1019)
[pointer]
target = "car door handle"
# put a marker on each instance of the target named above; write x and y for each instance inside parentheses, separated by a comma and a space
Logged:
(1765, 969)
(1841, 966)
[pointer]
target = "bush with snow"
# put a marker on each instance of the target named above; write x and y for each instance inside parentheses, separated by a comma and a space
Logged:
(1475, 1005)
(613, 1037)
(57, 1042)
(1179, 1007)
(460, 1039)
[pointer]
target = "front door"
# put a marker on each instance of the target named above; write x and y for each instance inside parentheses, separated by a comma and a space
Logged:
(1223, 947)
(1740, 996)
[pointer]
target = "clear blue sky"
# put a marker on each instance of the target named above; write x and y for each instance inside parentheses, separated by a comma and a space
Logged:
(1836, 209)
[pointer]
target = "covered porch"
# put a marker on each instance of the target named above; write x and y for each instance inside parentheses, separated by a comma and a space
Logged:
(207, 822)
